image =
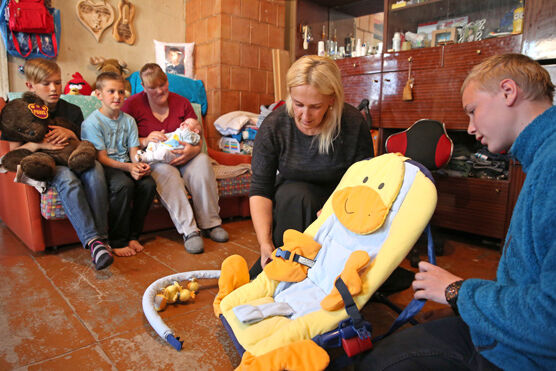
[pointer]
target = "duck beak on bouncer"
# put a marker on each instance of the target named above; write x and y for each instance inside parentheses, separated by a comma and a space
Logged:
(360, 209)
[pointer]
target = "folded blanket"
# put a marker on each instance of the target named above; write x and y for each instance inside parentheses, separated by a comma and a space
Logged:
(232, 123)
(226, 171)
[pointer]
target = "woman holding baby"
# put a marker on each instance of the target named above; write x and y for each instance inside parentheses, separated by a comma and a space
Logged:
(159, 111)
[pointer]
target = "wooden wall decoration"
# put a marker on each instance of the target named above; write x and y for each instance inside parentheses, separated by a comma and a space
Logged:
(123, 30)
(95, 16)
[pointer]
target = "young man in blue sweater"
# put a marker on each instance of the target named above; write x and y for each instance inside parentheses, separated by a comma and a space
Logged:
(509, 323)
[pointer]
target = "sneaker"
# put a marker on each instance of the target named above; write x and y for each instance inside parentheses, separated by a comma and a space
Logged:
(193, 243)
(217, 234)
(102, 258)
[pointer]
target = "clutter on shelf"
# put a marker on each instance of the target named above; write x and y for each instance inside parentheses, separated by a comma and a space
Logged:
(238, 129)
(479, 163)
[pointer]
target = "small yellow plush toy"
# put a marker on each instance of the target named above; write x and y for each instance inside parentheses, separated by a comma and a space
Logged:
(175, 293)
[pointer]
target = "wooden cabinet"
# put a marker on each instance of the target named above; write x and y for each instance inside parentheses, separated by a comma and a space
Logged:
(472, 53)
(438, 74)
(363, 77)
(474, 205)
(479, 206)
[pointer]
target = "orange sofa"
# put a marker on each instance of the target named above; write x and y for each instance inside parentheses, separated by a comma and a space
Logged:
(20, 207)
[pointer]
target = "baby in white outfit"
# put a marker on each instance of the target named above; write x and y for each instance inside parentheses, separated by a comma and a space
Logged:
(162, 151)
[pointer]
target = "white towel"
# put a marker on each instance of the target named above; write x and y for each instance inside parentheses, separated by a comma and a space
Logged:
(250, 314)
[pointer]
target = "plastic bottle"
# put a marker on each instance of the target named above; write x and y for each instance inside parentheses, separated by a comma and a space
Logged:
(397, 42)
(358, 48)
(321, 46)
(518, 19)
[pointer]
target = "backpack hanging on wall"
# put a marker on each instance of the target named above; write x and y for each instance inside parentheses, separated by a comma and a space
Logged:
(29, 29)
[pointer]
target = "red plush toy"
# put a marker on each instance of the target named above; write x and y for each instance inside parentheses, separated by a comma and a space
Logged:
(78, 86)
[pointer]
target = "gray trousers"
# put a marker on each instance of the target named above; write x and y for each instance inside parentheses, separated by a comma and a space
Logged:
(196, 177)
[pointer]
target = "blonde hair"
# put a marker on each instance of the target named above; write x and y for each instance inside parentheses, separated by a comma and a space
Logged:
(39, 69)
(151, 74)
(108, 76)
(323, 74)
(528, 74)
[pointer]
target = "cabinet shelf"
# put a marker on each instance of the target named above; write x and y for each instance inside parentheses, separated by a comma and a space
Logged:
(409, 17)
(409, 6)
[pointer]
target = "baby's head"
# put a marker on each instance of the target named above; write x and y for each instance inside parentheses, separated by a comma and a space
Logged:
(192, 125)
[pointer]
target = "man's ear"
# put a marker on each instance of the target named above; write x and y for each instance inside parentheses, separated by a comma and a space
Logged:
(510, 90)
(29, 86)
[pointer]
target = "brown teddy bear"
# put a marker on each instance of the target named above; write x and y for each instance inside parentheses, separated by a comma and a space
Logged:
(26, 120)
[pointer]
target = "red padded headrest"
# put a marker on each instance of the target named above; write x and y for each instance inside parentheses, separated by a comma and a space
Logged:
(426, 141)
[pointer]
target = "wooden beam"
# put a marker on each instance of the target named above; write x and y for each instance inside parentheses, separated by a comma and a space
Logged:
(280, 66)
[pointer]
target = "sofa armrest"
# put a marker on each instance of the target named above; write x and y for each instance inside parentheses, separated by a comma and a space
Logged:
(229, 159)
(20, 208)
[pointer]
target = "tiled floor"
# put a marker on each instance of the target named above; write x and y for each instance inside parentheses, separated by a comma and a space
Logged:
(58, 313)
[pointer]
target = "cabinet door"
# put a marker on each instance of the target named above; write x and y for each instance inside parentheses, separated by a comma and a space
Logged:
(473, 53)
(472, 205)
(427, 58)
(436, 96)
(362, 80)
(360, 65)
(359, 87)
(539, 32)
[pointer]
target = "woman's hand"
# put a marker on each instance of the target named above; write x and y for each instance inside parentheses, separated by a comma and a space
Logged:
(185, 154)
(155, 136)
(181, 159)
(59, 135)
(138, 170)
(266, 252)
(431, 282)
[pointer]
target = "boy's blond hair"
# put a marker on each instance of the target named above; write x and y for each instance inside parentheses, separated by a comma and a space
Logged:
(108, 76)
(528, 74)
(323, 74)
(151, 74)
(39, 69)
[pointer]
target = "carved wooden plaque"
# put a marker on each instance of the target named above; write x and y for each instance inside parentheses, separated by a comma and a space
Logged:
(123, 30)
(95, 16)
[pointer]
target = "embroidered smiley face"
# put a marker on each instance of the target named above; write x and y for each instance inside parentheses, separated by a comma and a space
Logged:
(38, 111)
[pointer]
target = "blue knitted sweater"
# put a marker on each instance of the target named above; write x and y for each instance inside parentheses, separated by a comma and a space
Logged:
(513, 319)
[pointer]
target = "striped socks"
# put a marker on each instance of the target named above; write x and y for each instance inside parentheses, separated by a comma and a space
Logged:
(100, 254)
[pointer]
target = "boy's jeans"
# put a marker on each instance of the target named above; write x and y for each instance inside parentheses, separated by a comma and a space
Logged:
(85, 200)
(130, 201)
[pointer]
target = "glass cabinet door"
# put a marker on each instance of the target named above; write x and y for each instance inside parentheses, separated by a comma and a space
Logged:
(426, 23)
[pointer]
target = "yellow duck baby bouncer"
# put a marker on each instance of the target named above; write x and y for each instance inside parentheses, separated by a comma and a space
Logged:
(308, 296)
(366, 228)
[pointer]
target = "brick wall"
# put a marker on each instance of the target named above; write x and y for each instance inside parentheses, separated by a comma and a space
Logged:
(233, 42)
